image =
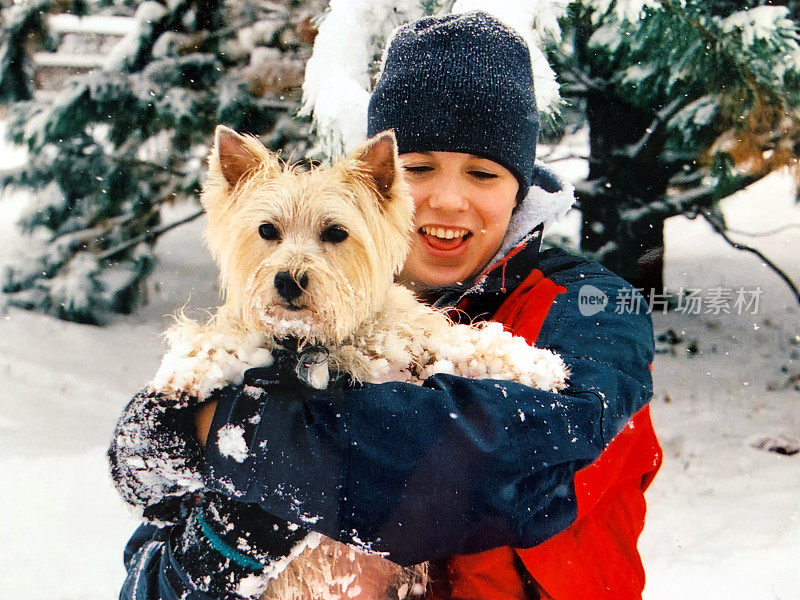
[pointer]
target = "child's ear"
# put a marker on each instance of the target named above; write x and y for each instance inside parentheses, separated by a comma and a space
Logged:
(378, 159)
(235, 157)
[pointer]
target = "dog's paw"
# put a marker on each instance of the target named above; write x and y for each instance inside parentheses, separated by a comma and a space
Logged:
(201, 360)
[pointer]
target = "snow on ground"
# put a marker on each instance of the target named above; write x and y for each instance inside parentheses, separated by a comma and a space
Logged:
(63, 386)
(724, 518)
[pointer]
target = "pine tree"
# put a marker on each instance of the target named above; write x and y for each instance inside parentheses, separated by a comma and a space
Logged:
(686, 103)
(118, 144)
(19, 23)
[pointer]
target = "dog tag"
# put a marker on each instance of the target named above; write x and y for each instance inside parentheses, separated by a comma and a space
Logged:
(312, 367)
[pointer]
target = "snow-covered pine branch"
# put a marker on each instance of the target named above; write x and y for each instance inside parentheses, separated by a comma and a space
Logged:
(18, 23)
(686, 102)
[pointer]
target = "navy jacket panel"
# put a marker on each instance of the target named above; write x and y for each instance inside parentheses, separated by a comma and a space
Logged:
(609, 351)
(621, 334)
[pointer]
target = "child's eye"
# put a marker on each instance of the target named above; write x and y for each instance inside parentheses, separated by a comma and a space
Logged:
(482, 175)
(417, 168)
(269, 232)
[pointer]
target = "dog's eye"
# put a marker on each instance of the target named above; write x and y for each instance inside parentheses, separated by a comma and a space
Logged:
(269, 232)
(333, 234)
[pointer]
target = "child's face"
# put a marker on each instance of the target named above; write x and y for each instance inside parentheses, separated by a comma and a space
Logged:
(463, 207)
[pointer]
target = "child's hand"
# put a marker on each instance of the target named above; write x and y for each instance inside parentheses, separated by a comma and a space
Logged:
(203, 419)
(234, 549)
(155, 456)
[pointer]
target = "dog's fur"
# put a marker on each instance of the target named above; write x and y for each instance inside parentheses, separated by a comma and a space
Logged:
(340, 234)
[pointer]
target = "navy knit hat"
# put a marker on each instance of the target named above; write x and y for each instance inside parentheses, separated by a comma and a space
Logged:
(460, 83)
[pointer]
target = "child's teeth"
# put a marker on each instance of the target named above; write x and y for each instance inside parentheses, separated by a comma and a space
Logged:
(444, 234)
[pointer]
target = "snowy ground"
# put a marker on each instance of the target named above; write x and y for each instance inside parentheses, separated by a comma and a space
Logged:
(724, 518)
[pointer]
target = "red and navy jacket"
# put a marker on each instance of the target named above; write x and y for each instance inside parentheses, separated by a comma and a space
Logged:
(596, 556)
(516, 492)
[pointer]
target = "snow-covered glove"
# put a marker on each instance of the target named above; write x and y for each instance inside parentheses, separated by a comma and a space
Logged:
(155, 456)
(232, 549)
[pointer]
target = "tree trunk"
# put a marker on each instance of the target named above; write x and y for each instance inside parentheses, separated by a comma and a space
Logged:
(623, 180)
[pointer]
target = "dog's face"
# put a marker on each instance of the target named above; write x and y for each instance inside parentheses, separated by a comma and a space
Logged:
(305, 254)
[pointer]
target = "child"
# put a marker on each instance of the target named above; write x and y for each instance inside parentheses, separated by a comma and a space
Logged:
(512, 492)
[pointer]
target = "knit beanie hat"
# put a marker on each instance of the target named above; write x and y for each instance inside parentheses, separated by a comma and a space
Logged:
(460, 83)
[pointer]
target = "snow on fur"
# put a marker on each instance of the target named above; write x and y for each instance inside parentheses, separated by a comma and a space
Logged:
(201, 359)
(406, 341)
(492, 352)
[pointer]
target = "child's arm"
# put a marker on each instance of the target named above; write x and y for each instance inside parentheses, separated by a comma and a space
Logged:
(453, 466)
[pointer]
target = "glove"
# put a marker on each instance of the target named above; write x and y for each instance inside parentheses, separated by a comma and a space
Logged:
(229, 548)
(155, 457)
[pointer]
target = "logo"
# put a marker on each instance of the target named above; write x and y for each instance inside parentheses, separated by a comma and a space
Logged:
(591, 300)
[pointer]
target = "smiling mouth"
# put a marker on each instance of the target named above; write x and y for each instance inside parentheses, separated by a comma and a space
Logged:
(444, 238)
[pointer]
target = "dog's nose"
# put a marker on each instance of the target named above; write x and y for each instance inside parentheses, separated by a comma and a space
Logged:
(288, 287)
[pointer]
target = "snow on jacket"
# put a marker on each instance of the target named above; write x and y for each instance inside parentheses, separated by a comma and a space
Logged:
(547, 487)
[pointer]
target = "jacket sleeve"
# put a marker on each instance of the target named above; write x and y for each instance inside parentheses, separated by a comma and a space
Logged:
(454, 466)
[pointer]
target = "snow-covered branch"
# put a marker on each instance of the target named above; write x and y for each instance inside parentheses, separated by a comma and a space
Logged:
(148, 236)
(719, 226)
(348, 48)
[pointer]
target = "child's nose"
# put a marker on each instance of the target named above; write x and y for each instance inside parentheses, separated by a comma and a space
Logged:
(448, 196)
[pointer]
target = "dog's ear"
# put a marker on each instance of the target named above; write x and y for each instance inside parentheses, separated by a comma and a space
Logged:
(378, 156)
(237, 156)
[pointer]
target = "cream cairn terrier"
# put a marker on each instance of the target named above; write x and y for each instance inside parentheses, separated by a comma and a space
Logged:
(311, 257)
